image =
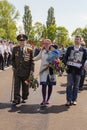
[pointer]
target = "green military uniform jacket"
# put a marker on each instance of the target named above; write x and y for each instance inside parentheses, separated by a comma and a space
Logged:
(22, 62)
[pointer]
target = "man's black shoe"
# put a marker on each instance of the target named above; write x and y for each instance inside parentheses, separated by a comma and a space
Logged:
(15, 102)
(80, 89)
(23, 101)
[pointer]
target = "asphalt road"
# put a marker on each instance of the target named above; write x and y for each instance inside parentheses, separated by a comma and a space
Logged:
(29, 116)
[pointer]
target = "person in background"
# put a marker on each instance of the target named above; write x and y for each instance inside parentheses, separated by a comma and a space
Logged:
(8, 54)
(11, 45)
(62, 54)
(74, 69)
(36, 51)
(1, 55)
(23, 67)
(83, 74)
(45, 79)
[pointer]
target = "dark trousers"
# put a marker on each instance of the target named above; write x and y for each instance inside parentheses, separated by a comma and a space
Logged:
(7, 58)
(1, 62)
(82, 79)
(17, 86)
(72, 87)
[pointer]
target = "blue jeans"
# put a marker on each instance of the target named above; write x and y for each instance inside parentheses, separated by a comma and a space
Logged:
(72, 87)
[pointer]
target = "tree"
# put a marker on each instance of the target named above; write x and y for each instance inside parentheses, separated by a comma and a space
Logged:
(38, 28)
(27, 20)
(8, 16)
(78, 31)
(84, 35)
(36, 33)
(44, 32)
(50, 18)
(2, 33)
(62, 36)
(32, 35)
(82, 32)
(51, 32)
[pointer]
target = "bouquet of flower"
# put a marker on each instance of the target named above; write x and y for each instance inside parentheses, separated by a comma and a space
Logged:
(57, 66)
(32, 82)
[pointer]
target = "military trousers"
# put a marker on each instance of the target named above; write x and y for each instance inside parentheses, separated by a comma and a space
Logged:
(21, 90)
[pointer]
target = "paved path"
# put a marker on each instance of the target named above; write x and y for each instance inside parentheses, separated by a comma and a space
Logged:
(29, 117)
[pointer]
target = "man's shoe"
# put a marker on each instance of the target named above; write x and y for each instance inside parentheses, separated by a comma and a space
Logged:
(23, 101)
(74, 103)
(15, 102)
(68, 104)
(2, 68)
(80, 89)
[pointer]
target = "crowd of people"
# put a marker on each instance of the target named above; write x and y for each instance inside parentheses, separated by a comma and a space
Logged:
(23, 58)
(6, 48)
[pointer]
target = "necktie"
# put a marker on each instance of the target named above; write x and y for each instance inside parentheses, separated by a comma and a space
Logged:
(22, 51)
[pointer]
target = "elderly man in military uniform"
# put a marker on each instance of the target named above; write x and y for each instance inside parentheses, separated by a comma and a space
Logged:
(23, 66)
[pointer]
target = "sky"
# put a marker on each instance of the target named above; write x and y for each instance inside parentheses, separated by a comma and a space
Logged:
(70, 14)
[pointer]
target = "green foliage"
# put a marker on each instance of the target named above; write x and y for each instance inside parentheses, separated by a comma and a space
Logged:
(84, 35)
(50, 18)
(27, 20)
(62, 36)
(44, 32)
(31, 35)
(82, 32)
(69, 42)
(36, 33)
(78, 31)
(51, 32)
(8, 15)
(2, 33)
(8, 29)
(38, 28)
(12, 31)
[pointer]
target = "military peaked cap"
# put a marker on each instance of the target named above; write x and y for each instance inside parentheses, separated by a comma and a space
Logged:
(22, 37)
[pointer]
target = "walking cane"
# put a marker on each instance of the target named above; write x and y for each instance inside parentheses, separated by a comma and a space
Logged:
(12, 89)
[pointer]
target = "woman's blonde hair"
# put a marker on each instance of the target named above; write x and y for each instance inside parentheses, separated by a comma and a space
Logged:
(47, 40)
